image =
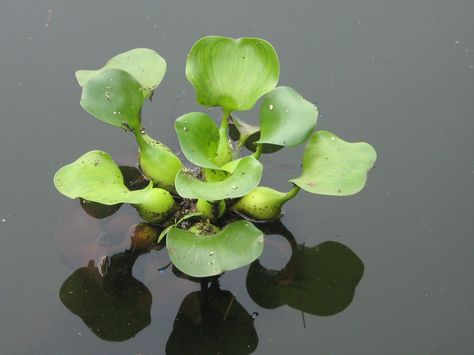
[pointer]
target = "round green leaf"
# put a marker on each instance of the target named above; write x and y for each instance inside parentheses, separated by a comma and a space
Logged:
(114, 97)
(144, 64)
(236, 245)
(286, 118)
(332, 166)
(95, 177)
(245, 177)
(232, 73)
(199, 138)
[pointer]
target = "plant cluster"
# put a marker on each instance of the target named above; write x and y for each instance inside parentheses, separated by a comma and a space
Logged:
(194, 204)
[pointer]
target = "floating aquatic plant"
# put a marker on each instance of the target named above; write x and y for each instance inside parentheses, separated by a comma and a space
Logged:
(202, 207)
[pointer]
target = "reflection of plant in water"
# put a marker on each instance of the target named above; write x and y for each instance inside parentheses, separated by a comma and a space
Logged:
(232, 74)
(211, 321)
(318, 280)
(110, 301)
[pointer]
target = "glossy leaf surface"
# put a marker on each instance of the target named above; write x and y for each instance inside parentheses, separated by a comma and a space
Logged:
(199, 138)
(236, 245)
(114, 97)
(144, 64)
(286, 118)
(95, 177)
(232, 73)
(245, 177)
(332, 166)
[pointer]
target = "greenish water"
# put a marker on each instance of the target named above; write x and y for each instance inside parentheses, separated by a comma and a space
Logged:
(399, 75)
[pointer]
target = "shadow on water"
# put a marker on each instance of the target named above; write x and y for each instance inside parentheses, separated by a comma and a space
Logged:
(318, 280)
(110, 301)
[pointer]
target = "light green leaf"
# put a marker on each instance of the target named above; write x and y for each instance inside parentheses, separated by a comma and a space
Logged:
(232, 73)
(114, 97)
(242, 180)
(332, 166)
(199, 138)
(144, 64)
(286, 118)
(95, 177)
(236, 245)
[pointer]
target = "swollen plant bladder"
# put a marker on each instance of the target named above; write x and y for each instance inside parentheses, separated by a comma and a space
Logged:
(207, 210)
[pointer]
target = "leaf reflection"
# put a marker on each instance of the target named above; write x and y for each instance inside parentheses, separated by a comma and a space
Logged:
(110, 301)
(318, 280)
(211, 321)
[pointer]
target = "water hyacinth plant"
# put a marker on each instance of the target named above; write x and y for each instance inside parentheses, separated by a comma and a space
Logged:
(206, 211)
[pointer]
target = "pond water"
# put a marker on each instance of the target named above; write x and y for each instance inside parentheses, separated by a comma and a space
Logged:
(398, 74)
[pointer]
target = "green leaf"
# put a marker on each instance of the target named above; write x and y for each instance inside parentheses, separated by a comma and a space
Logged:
(319, 280)
(332, 166)
(286, 118)
(244, 130)
(199, 138)
(232, 73)
(95, 177)
(236, 245)
(247, 134)
(114, 97)
(144, 64)
(242, 180)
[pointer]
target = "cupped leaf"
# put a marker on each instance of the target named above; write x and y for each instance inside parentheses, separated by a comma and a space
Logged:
(236, 245)
(246, 135)
(286, 118)
(199, 138)
(232, 73)
(144, 64)
(114, 97)
(244, 178)
(332, 166)
(243, 131)
(95, 177)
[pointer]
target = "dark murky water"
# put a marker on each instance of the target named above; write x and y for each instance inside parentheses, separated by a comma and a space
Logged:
(397, 74)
